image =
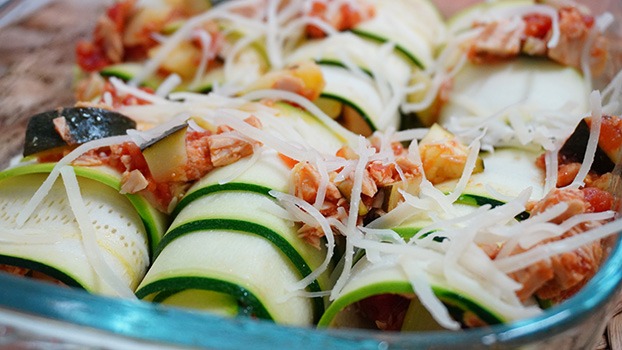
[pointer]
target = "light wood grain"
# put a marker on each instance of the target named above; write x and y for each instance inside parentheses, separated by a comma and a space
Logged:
(36, 65)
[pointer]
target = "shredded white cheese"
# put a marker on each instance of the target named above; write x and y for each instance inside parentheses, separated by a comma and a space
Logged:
(592, 143)
(45, 187)
(92, 250)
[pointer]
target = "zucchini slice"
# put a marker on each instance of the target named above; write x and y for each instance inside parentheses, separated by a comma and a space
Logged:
(415, 28)
(79, 125)
(481, 12)
(240, 214)
(155, 222)
(348, 49)
(197, 299)
(363, 109)
(229, 236)
(367, 281)
(251, 271)
(537, 85)
(429, 21)
(507, 171)
(120, 231)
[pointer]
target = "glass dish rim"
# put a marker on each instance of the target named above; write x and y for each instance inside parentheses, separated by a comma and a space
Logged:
(157, 324)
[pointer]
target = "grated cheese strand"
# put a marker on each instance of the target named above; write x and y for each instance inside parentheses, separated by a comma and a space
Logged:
(363, 153)
(206, 55)
(426, 295)
(592, 143)
(532, 256)
(469, 166)
(47, 184)
(92, 250)
(309, 106)
(294, 205)
(169, 84)
(122, 87)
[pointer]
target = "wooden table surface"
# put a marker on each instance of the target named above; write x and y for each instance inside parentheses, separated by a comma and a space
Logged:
(36, 68)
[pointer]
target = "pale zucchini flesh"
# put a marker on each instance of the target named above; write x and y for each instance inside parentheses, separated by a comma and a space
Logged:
(366, 282)
(237, 259)
(536, 85)
(507, 171)
(120, 232)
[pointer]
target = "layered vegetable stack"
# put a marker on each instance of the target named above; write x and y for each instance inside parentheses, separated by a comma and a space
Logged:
(256, 158)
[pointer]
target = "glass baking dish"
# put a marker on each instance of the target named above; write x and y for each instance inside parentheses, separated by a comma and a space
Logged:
(34, 315)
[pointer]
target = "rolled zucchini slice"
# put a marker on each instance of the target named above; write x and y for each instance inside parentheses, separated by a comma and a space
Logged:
(367, 281)
(232, 247)
(362, 109)
(124, 228)
(347, 49)
(229, 241)
(415, 27)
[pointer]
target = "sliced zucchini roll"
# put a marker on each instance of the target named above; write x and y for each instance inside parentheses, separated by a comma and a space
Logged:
(231, 248)
(83, 233)
(360, 80)
(382, 297)
(228, 241)
(416, 28)
(521, 69)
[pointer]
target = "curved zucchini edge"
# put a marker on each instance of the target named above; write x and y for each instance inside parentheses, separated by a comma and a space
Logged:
(454, 301)
(43, 268)
(249, 304)
(229, 186)
(154, 221)
(399, 48)
(358, 109)
(478, 201)
(252, 228)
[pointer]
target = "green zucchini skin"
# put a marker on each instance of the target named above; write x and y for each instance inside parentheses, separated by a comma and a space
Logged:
(368, 282)
(236, 212)
(59, 275)
(226, 231)
(154, 220)
(120, 233)
(508, 171)
(249, 305)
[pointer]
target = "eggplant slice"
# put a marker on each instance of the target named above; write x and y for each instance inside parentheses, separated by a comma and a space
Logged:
(73, 126)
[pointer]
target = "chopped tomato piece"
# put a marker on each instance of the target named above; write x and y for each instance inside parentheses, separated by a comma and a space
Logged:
(599, 200)
(610, 139)
(537, 25)
(90, 57)
(288, 161)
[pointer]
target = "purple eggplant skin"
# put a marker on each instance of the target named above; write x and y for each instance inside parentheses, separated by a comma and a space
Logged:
(573, 150)
(83, 123)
